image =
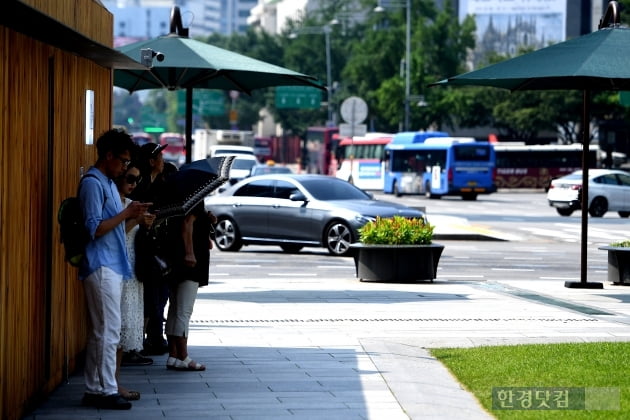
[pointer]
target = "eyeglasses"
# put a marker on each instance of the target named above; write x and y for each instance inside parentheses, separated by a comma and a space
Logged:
(133, 179)
(124, 161)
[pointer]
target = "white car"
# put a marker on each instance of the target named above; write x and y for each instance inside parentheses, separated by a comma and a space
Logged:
(219, 150)
(241, 166)
(608, 190)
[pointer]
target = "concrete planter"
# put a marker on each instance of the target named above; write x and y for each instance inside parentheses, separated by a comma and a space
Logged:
(396, 263)
(618, 264)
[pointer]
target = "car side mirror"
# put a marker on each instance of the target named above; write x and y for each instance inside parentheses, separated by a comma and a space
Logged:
(298, 196)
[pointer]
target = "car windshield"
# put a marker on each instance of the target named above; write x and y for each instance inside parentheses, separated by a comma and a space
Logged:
(333, 189)
(243, 164)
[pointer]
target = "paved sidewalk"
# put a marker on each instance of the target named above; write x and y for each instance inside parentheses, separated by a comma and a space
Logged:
(340, 349)
(296, 347)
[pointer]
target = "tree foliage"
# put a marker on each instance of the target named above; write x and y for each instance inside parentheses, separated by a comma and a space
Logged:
(367, 52)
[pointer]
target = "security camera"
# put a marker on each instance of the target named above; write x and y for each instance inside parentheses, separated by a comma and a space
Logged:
(147, 55)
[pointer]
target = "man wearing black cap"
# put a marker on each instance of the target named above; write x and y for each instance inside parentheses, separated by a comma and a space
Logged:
(155, 288)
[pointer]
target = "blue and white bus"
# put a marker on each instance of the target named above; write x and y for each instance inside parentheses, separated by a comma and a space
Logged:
(434, 164)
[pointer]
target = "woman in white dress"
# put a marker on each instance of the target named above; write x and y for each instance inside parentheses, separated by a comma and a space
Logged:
(132, 299)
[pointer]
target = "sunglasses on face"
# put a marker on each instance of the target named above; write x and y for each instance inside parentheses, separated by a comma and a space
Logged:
(133, 179)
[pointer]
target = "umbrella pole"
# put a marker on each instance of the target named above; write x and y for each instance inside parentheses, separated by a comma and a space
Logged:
(188, 126)
(583, 283)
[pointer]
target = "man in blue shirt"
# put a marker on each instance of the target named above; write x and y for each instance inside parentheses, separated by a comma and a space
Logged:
(105, 265)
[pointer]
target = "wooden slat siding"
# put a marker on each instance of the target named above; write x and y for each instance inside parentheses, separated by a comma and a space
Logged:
(24, 219)
(22, 238)
(4, 257)
(69, 156)
(85, 16)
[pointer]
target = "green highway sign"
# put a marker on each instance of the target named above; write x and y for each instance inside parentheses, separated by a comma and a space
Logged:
(154, 129)
(298, 97)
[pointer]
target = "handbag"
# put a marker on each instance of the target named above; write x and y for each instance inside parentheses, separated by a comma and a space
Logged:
(152, 254)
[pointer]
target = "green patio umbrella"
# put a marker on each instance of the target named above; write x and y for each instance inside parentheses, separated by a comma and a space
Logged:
(191, 63)
(187, 64)
(598, 61)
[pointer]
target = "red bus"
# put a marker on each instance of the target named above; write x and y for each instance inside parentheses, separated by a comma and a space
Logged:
(176, 150)
(319, 149)
(522, 166)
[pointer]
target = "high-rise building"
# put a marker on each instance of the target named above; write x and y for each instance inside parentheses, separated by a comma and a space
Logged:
(137, 19)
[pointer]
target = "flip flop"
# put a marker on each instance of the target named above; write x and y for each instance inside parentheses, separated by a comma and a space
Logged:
(188, 365)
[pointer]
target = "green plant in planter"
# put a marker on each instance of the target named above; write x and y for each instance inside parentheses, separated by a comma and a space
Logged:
(396, 231)
(621, 244)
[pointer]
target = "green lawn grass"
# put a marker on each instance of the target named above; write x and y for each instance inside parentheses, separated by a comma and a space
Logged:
(576, 365)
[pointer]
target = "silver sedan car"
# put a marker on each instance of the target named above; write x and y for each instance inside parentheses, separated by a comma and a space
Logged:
(295, 211)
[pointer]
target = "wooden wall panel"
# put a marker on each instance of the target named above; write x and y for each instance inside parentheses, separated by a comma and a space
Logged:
(71, 156)
(23, 221)
(4, 255)
(43, 89)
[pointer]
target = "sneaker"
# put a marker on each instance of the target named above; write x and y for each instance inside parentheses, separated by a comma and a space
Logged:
(113, 402)
(91, 400)
(133, 358)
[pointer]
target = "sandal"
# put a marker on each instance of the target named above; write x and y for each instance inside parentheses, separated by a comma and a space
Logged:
(170, 362)
(188, 365)
(130, 395)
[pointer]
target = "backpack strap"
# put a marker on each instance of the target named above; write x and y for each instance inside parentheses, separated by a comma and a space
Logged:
(81, 181)
(88, 175)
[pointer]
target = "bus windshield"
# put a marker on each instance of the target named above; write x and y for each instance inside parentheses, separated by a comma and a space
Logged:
(176, 150)
(319, 150)
(470, 152)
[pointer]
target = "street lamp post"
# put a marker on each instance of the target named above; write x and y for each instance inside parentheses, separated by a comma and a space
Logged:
(407, 65)
(407, 6)
(326, 29)
(328, 75)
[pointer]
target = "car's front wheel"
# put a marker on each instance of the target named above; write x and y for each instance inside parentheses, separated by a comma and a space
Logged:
(624, 214)
(226, 235)
(338, 238)
(599, 207)
(564, 211)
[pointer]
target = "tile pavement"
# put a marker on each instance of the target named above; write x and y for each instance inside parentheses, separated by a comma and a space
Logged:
(300, 348)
